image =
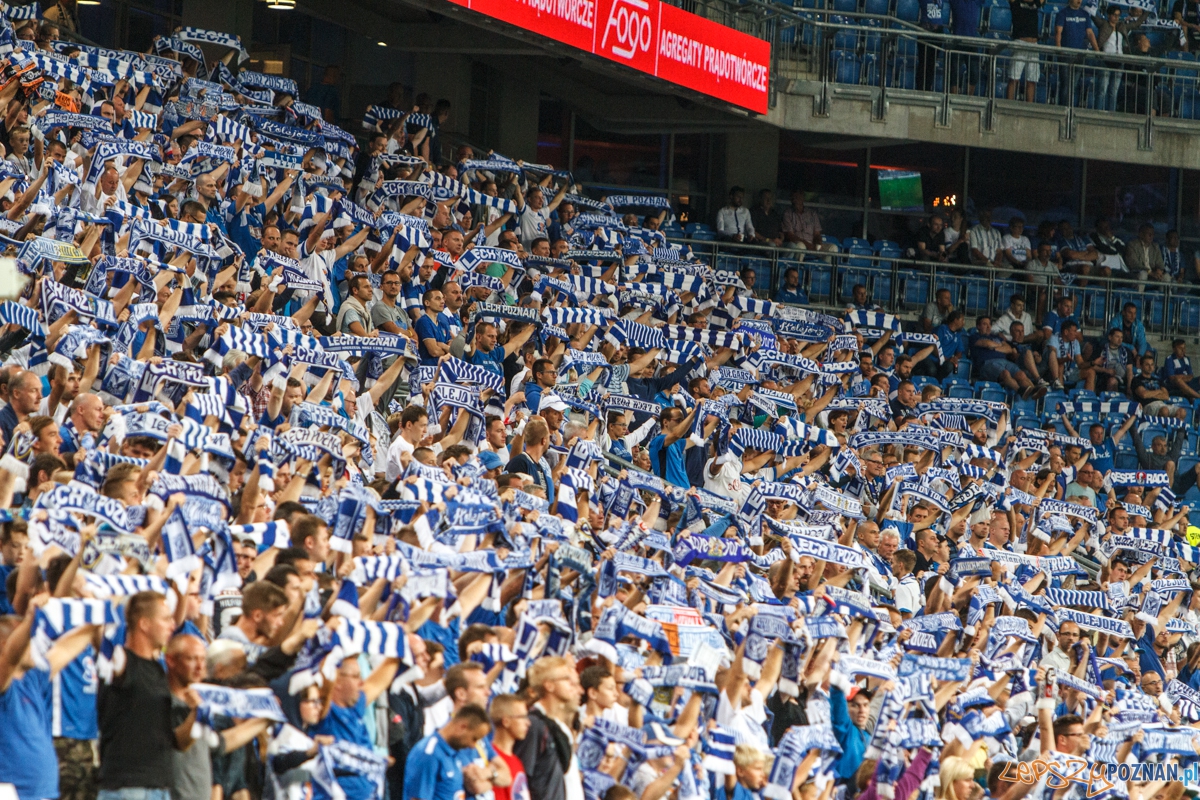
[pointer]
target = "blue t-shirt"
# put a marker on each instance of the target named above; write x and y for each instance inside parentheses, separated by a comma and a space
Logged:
(493, 360)
(245, 228)
(981, 354)
(428, 329)
(952, 344)
(434, 769)
(73, 694)
(446, 636)
(669, 466)
(931, 14)
(966, 14)
(346, 724)
(29, 760)
(1103, 455)
(786, 295)
(1149, 660)
(1075, 23)
(1177, 366)
(1054, 322)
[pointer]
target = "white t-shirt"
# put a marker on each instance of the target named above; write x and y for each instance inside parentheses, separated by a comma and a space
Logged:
(908, 595)
(502, 453)
(1018, 245)
(533, 225)
(745, 723)
(396, 450)
(728, 480)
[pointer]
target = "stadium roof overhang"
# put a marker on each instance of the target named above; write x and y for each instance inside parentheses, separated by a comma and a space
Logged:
(610, 96)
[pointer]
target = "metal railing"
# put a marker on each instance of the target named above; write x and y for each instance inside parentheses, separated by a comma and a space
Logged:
(881, 53)
(902, 284)
(888, 53)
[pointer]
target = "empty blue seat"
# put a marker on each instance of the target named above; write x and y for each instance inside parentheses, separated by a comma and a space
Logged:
(916, 288)
(1186, 315)
(921, 381)
(908, 10)
(962, 390)
(820, 280)
(1027, 422)
(964, 369)
(1026, 407)
(999, 20)
(994, 395)
(845, 40)
(878, 7)
(1050, 402)
(845, 66)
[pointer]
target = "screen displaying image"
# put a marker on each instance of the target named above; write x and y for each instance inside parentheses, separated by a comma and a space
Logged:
(900, 190)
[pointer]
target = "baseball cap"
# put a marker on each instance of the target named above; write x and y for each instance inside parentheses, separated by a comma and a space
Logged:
(551, 400)
(490, 460)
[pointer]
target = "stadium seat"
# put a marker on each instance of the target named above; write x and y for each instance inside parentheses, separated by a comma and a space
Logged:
(999, 20)
(820, 280)
(964, 369)
(961, 390)
(845, 40)
(908, 10)
(921, 381)
(916, 288)
(1050, 402)
(1023, 406)
(1186, 462)
(994, 395)
(976, 290)
(1028, 422)
(878, 7)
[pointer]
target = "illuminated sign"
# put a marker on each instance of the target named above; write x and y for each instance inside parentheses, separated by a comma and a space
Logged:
(652, 37)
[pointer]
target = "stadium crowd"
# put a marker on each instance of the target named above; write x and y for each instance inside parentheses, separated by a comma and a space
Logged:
(332, 471)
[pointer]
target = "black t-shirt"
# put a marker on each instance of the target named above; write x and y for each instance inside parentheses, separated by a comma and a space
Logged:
(136, 730)
(1148, 382)
(1025, 18)
(766, 223)
(923, 564)
(931, 240)
(786, 712)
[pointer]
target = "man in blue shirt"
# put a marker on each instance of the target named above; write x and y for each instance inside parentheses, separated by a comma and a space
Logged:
(433, 332)
(29, 759)
(1052, 322)
(1177, 372)
(791, 292)
(666, 449)
(952, 347)
(350, 698)
(440, 767)
(965, 16)
(489, 355)
(1073, 28)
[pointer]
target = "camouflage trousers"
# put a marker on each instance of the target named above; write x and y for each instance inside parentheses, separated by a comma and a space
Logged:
(76, 769)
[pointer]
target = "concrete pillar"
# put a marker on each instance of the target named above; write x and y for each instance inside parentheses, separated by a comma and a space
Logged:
(446, 76)
(518, 117)
(230, 16)
(749, 159)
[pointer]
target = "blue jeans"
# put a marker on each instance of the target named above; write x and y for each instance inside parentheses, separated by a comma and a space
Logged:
(134, 793)
(1107, 91)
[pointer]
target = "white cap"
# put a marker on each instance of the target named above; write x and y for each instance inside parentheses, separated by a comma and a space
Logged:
(551, 400)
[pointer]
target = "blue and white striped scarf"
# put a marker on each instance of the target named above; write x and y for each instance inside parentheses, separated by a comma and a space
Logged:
(873, 319)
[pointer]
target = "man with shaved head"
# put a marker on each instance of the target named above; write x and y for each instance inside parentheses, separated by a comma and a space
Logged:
(86, 420)
(191, 768)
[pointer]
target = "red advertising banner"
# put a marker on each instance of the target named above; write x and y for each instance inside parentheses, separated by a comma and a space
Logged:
(652, 37)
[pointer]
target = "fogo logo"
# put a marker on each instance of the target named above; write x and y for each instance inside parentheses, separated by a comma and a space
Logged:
(630, 28)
